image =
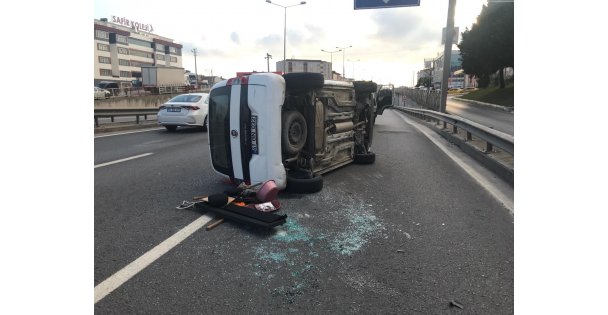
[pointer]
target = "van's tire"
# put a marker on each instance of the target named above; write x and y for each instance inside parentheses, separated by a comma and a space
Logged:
(293, 131)
(304, 80)
(365, 158)
(204, 128)
(303, 185)
(171, 128)
(365, 86)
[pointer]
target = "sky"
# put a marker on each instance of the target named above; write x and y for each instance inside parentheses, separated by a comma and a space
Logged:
(388, 45)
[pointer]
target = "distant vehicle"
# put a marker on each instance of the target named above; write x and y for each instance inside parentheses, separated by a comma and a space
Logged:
(162, 79)
(191, 79)
(291, 128)
(101, 93)
(185, 110)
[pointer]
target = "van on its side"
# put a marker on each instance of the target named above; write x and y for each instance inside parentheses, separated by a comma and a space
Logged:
(290, 128)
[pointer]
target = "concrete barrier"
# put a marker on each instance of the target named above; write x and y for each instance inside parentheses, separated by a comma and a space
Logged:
(143, 101)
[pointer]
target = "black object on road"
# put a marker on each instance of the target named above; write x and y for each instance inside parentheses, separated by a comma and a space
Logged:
(241, 214)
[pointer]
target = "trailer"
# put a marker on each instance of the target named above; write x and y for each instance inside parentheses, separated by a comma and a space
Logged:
(163, 80)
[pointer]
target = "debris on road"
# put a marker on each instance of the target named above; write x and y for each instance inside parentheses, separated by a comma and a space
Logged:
(250, 204)
(456, 304)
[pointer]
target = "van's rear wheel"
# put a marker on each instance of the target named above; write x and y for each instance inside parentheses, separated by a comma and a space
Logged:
(293, 131)
(304, 80)
(302, 184)
(365, 86)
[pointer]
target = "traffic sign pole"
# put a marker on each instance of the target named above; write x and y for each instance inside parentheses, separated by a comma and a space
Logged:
(447, 54)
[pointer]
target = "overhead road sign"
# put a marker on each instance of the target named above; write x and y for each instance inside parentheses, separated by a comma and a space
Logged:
(380, 4)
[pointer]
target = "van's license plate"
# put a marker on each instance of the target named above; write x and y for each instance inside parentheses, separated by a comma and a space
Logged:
(173, 109)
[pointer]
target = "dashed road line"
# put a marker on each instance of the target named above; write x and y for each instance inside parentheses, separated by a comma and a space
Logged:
(123, 160)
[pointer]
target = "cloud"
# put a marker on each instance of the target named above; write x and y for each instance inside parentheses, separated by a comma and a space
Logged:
(234, 36)
(400, 27)
(269, 41)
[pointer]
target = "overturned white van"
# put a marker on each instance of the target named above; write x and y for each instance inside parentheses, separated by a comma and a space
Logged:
(290, 128)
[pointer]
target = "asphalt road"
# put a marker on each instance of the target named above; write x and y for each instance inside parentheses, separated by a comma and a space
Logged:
(408, 234)
(494, 118)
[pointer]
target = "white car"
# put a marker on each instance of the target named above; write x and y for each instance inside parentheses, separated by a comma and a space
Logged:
(185, 110)
(101, 93)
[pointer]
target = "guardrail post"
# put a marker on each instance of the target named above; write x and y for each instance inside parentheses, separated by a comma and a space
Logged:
(445, 125)
(96, 122)
(489, 148)
(454, 129)
(137, 119)
(469, 136)
(112, 118)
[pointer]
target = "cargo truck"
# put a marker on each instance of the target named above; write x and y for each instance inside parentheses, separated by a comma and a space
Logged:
(160, 80)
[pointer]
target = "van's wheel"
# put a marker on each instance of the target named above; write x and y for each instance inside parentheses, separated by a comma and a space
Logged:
(365, 158)
(171, 128)
(365, 86)
(302, 184)
(304, 80)
(205, 124)
(293, 131)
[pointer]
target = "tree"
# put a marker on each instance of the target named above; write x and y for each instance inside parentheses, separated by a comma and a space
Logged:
(488, 46)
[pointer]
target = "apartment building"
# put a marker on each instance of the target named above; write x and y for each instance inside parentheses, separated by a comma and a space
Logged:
(303, 65)
(123, 46)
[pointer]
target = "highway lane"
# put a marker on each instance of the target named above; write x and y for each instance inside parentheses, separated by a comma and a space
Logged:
(407, 234)
(494, 118)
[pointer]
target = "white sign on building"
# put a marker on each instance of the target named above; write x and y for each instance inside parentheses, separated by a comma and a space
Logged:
(137, 26)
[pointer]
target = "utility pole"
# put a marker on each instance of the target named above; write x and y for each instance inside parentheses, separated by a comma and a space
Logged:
(447, 54)
(268, 57)
(195, 69)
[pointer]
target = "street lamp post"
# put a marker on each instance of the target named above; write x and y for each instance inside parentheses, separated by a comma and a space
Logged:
(285, 29)
(331, 60)
(343, 54)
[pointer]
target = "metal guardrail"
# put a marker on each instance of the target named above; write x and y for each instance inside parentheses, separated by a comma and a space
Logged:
(117, 112)
(492, 138)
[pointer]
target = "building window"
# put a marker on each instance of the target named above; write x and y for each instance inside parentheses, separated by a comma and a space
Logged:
(160, 57)
(125, 74)
(160, 47)
(103, 47)
(289, 67)
(141, 53)
(122, 50)
(121, 39)
(306, 67)
(102, 34)
(139, 42)
(105, 72)
(173, 59)
(172, 50)
(123, 62)
(103, 59)
(135, 63)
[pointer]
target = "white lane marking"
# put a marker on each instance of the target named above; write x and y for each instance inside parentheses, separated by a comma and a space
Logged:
(487, 185)
(119, 278)
(122, 160)
(126, 133)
